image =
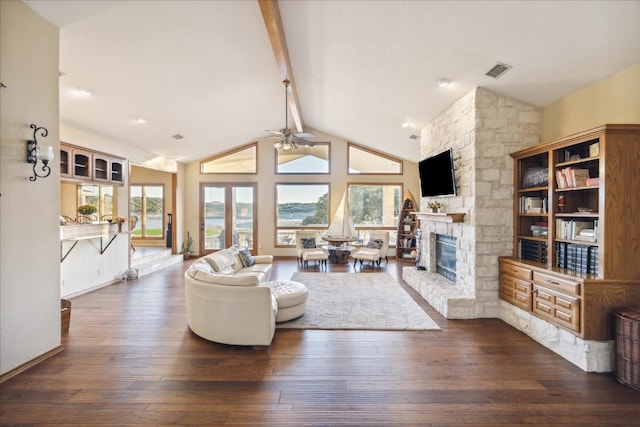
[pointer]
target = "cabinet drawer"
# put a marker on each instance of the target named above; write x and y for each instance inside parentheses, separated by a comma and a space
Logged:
(515, 271)
(515, 291)
(561, 309)
(555, 282)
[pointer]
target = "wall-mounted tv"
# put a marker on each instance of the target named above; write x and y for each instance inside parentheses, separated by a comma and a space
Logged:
(437, 177)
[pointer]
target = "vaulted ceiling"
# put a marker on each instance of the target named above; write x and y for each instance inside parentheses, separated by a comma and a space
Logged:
(206, 70)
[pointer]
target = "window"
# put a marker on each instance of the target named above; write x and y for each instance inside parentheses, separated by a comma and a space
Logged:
(365, 161)
(241, 160)
(229, 214)
(304, 159)
(147, 203)
(97, 195)
(300, 206)
(375, 207)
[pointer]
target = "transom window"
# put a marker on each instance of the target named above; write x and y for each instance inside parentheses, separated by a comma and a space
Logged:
(304, 160)
(240, 160)
(365, 161)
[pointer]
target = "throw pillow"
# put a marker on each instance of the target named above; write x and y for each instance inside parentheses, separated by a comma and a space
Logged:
(308, 242)
(246, 258)
(375, 243)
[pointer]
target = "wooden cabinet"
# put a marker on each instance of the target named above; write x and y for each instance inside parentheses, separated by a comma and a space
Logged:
(84, 165)
(81, 164)
(515, 285)
(101, 168)
(117, 171)
(65, 161)
(407, 226)
(576, 236)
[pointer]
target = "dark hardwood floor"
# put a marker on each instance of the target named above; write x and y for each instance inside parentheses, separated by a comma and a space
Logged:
(130, 359)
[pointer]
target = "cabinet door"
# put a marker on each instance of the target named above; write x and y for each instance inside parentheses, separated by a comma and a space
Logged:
(82, 164)
(117, 171)
(101, 167)
(515, 291)
(65, 161)
(556, 307)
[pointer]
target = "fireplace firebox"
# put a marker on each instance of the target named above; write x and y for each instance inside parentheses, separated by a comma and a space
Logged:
(446, 256)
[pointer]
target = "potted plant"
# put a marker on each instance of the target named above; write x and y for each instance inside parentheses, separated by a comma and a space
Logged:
(186, 246)
(119, 220)
(435, 206)
(87, 209)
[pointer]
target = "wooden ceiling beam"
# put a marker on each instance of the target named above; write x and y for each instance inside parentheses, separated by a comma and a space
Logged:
(273, 22)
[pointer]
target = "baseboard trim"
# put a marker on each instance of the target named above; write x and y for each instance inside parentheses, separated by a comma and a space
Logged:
(15, 371)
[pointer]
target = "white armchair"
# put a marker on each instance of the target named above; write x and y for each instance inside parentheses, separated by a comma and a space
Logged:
(307, 243)
(374, 251)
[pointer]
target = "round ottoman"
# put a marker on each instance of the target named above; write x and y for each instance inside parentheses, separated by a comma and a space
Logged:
(291, 297)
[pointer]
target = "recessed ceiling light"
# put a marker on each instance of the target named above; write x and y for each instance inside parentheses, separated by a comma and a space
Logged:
(444, 82)
(405, 125)
(177, 136)
(140, 120)
(84, 92)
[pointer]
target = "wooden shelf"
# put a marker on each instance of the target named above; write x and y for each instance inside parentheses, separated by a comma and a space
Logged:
(440, 217)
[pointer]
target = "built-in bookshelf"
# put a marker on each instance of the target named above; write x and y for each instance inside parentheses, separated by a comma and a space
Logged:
(576, 235)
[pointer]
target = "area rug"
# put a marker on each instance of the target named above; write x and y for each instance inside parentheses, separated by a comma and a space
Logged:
(358, 301)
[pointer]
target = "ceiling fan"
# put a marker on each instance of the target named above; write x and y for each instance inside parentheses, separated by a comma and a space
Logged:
(287, 140)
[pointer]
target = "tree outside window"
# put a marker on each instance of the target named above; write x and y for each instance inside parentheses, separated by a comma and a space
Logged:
(147, 203)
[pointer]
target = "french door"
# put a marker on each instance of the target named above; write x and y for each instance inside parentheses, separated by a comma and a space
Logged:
(227, 216)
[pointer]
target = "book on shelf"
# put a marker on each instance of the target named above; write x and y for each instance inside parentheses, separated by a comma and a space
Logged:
(539, 229)
(576, 257)
(572, 177)
(577, 230)
(533, 251)
(592, 182)
(529, 204)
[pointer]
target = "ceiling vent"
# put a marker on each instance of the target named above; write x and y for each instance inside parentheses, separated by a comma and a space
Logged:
(414, 136)
(498, 70)
(177, 136)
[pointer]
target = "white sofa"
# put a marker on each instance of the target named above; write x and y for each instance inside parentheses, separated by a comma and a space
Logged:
(229, 303)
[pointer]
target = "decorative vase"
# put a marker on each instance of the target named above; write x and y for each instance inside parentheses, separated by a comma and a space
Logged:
(119, 228)
(434, 210)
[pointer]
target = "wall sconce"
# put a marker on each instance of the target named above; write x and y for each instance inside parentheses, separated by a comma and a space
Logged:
(34, 153)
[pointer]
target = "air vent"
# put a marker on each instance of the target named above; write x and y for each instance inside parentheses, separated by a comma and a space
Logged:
(498, 70)
(177, 136)
(413, 136)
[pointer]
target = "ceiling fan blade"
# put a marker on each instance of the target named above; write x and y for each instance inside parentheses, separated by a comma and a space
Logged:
(301, 141)
(304, 135)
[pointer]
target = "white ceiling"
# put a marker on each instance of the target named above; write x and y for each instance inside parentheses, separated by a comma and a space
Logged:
(206, 70)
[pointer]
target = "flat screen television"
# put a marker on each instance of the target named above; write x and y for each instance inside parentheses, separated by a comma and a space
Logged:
(437, 177)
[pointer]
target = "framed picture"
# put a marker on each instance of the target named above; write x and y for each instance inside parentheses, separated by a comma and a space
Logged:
(535, 177)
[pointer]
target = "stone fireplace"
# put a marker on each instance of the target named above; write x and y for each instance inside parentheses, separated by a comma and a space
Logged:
(482, 128)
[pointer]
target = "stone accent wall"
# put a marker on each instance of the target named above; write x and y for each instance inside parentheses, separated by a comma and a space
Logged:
(482, 128)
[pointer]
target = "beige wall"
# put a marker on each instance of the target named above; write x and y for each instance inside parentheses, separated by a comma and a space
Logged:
(615, 99)
(29, 220)
(266, 180)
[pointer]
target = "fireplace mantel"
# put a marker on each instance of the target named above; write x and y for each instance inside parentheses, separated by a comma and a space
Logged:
(440, 217)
